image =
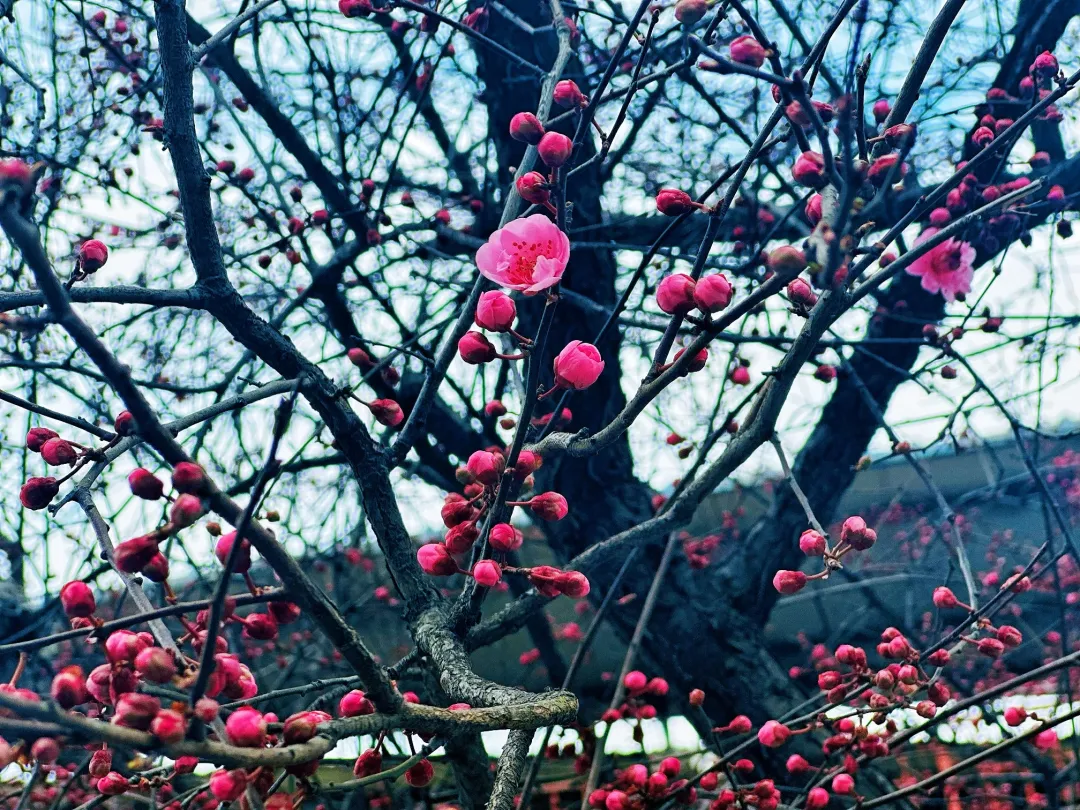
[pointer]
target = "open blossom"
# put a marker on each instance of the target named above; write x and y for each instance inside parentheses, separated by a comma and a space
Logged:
(529, 254)
(946, 268)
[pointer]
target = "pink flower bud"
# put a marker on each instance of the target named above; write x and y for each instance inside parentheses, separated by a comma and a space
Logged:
(112, 784)
(355, 704)
(186, 509)
(368, 763)
(809, 169)
(712, 293)
(787, 260)
(817, 798)
(475, 349)
(857, 534)
(135, 710)
(691, 12)
(420, 774)
(881, 110)
(505, 537)
(533, 188)
(578, 366)
(132, 555)
(486, 467)
(812, 543)
(37, 436)
(843, 784)
(92, 255)
(188, 477)
(801, 294)
(573, 584)
(635, 681)
(675, 294)
(246, 727)
(789, 582)
(495, 311)
(77, 599)
(797, 765)
(68, 688)
(37, 493)
(145, 484)
(228, 786)
(670, 767)
(386, 412)
(526, 127)
(747, 51)
(223, 549)
(100, 763)
(883, 167)
(155, 664)
(697, 363)
(672, 202)
(548, 506)
(57, 452)
(436, 560)
(555, 149)
(1009, 636)
(773, 734)
(487, 573)
(567, 94)
(982, 136)
(1045, 64)
(261, 627)
(169, 726)
(945, 598)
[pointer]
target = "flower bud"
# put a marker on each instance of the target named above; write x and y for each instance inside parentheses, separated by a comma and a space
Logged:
(475, 349)
(132, 555)
(578, 366)
(223, 549)
(186, 509)
(100, 763)
(155, 664)
(505, 537)
(68, 688)
(92, 255)
(809, 169)
(435, 559)
(712, 293)
(672, 202)
(495, 311)
(420, 774)
(789, 582)
(77, 600)
(169, 726)
(787, 260)
(246, 727)
(675, 294)
(145, 484)
(135, 710)
(567, 94)
(37, 436)
(526, 127)
(812, 543)
(548, 506)
(555, 149)
(355, 704)
(747, 51)
(37, 493)
(58, 452)
(773, 734)
(188, 477)
(112, 784)
(532, 187)
(228, 786)
(487, 573)
(1045, 64)
(690, 12)
(386, 412)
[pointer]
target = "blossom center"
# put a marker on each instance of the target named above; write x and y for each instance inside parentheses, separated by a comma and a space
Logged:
(523, 256)
(947, 260)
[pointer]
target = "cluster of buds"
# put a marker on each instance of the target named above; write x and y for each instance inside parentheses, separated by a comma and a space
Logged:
(855, 535)
(38, 492)
(386, 411)
(639, 690)
(634, 788)
(679, 293)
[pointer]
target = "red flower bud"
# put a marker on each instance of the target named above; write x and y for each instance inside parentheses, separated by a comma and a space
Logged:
(773, 734)
(228, 786)
(1045, 64)
(77, 599)
(787, 259)
(368, 763)
(131, 555)
(532, 187)
(155, 664)
(789, 582)
(712, 293)
(567, 94)
(495, 311)
(135, 710)
(246, 727)
(188, 477)
(261, 627)
(355, 704)
(675, 294)
(420, 774)
(548, 506)
(354, 8)
(747, 51)
(812, 543)
(386, 412)
(801, 294)
(37, 493)
(92, 255)
(57, 452)
(475, 349)
(487, 573)
(435, 559)
(809, 169)
(223, 549)
(555, 149)
(578, 366)
(112, 784)
(672, 202)
(186, 509)
(37, 436)
(169, 726)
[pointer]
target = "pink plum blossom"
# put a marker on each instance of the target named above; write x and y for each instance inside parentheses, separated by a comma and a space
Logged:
(529, 254)
(947, 268)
